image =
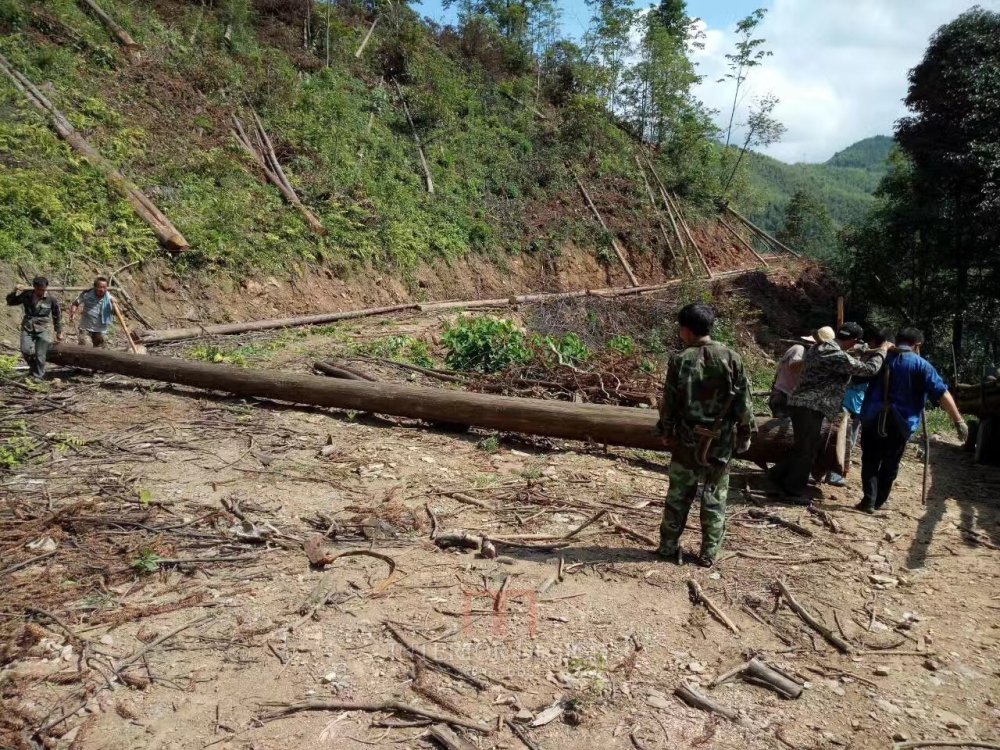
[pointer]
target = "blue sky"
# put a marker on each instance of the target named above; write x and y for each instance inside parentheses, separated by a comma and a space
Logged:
(839, 67)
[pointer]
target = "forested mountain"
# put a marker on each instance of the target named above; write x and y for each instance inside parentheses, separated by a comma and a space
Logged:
(844, 184)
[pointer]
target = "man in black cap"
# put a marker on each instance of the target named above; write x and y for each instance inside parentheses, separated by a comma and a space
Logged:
(41, 317)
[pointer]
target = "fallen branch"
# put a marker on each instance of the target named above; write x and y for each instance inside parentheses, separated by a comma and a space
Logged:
(761, 233)
(340, 371)
(742, 241)
(670, 211)
(656, 209)
(444, 666)
(416, 138)
(763, 515)
(262, 152)
(522, 734)
(828, 635)
(132, 47)
(699, 597)
(758, 671)
(619, 250)
(391, 706)
(168, 235)
(690, 236)
(593, 519)
(637, 535)
(448, 739)
(828, 520)
(368, 36)
(696, 700)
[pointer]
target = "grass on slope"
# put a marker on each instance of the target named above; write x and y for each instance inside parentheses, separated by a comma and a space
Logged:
(500, 175)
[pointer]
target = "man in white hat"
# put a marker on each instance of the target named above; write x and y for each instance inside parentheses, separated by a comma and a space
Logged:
(787, 377)
(826, 371)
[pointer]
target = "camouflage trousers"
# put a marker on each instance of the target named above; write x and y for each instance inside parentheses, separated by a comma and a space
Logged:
(686, 478)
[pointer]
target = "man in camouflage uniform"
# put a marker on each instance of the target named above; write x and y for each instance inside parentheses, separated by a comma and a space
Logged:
(705, 390)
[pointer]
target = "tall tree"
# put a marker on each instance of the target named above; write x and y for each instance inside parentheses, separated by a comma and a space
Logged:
(937, 216)
(808, 227)
(609, 40)
(749, 53)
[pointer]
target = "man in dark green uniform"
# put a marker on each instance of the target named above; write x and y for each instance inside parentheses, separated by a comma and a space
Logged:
(41, 317)
(706, 411)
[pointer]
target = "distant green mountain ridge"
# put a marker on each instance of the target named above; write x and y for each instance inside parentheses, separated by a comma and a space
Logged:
(844, 183)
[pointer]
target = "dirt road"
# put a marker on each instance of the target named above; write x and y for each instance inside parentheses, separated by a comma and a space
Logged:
(165, 507)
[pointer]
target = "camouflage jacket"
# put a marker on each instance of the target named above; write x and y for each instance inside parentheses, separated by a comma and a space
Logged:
(697, 388)
(826, 371)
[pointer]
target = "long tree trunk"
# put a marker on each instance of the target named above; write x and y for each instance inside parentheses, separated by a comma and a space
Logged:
(599, 423)
(167, 234)
(132, 47)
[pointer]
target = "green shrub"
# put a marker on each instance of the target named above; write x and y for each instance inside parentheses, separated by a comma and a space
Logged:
(622, 344)
(569, 348)
(485, 345)
(398, 349)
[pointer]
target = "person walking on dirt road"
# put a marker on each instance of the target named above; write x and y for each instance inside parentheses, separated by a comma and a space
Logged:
(826, 371)
(98, 312)
(891, 414)
(706, 411)
(41, 317)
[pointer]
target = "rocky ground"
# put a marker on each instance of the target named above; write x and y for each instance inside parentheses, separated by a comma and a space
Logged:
(156, 592)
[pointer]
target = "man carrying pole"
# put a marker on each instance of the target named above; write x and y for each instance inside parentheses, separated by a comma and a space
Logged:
(98, 312)
(41, 318)
(893, 408)
(706, 409)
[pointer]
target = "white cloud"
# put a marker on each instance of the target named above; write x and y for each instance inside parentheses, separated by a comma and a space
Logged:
(839, 68)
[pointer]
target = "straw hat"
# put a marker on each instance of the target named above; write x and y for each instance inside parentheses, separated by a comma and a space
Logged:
(825, 335)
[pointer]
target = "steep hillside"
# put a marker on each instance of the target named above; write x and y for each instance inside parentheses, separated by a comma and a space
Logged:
(503, 174)
(844, 184)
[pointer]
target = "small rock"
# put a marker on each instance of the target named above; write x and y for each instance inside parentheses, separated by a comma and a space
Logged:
(952, 721)
(107, 640)
(855, 725)
(931, 665)
(888, 706)
(900, 737)
(329, 677)
(67, 653)
(696, 667)
(524, 715)
(881, 671)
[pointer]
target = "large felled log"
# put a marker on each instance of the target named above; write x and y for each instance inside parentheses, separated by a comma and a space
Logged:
(179, 334)
(760, 232)
(168, 235)
(132, 47)
(612, 425)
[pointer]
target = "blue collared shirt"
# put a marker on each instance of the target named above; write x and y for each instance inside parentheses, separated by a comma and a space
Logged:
(912, 381)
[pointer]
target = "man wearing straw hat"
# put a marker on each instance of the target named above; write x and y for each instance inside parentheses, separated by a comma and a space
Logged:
(826, 371)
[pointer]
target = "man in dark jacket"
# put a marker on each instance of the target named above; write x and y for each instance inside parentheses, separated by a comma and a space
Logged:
(891, 413)
(826, 371)
(41, 317)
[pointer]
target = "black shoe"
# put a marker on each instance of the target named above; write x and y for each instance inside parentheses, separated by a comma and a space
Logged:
(864, 507)
(704, 561)
(670, 556)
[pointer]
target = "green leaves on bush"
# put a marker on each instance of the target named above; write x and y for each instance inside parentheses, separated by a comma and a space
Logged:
(485, 345)
(398, 348)
(622, 344)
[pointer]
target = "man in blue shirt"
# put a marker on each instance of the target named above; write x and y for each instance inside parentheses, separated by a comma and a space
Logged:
(891, 413)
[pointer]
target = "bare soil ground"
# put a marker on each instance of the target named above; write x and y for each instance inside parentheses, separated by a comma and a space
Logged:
(151, 508)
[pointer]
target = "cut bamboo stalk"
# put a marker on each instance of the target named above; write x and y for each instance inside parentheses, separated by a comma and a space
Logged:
(619, 250)
(168, 235)
(132, 47)
(656, 209)
(416, 139)
(268, 164)
(741, 240)
(760, 232)
(670, 211)
(828, 635)
(687, 231)
(368, 36)
(598, 423)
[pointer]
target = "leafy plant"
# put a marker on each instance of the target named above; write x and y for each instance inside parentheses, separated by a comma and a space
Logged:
(622, 344)
(399, 349)
(485, 344)
(217, 355)
(490, 444)
(569, 349)
(8, 363)
(147, 562)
